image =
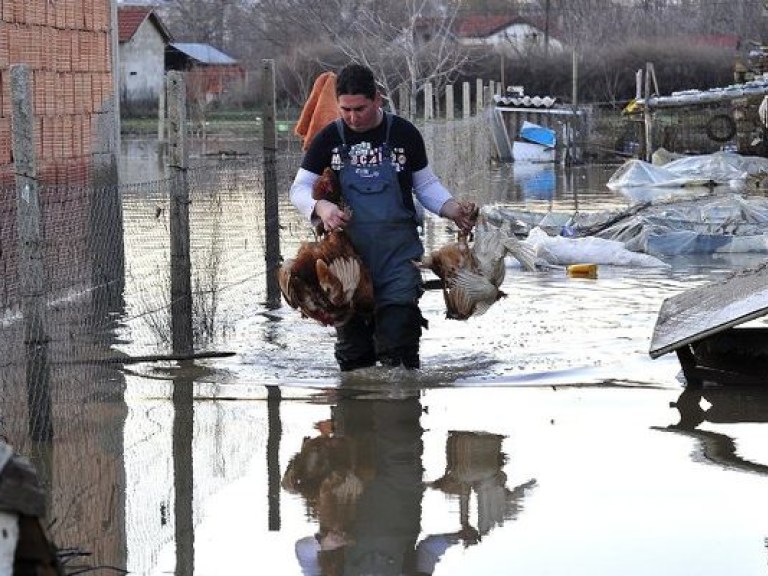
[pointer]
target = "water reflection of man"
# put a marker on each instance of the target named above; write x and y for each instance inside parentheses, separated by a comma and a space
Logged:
(362, 478)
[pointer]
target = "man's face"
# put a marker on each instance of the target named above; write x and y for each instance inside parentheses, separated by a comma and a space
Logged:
(359, 112)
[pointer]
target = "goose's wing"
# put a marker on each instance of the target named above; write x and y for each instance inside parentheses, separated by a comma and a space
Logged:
(522, 252)
(472, 294)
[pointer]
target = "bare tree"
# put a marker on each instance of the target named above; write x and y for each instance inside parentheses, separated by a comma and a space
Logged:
(405, 42)
(208, 21)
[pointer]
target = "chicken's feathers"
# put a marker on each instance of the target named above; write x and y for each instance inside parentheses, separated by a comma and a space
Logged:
(522, 252)
(347, 270)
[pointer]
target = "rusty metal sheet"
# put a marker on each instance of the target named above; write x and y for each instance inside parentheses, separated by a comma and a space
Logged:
(705, 310)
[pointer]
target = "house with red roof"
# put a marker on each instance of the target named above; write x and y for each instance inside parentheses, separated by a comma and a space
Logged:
(506, 33)
(142, 39)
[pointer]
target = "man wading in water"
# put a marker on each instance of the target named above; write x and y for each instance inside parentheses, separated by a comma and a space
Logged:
(381, 163)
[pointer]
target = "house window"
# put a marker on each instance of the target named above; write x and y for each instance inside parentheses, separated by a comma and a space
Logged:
(132, 73)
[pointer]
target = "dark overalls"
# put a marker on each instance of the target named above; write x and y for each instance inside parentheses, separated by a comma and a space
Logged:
(383, 230)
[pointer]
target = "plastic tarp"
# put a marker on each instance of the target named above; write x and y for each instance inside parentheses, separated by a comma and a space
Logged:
(563, 251)
(723, 223)
(709, 169)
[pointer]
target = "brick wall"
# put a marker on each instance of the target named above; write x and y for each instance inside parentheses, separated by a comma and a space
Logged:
(66, 44)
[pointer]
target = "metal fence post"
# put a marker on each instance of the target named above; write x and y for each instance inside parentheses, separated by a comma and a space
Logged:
(181, 266)
(31, 267)
(271, 212)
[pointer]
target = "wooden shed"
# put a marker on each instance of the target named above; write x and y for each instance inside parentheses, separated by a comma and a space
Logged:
(210, 72)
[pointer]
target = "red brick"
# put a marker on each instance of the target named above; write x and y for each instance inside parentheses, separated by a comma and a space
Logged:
(5, 140)
(18, 12)
(34, 11)
(49, 90)
(38, 138)
(99, 52)
(5, 90)
(68, 81)
(86, 93)
(74, 50)
(15, 33)
(86, 48)
(33, 49)
(85, 126)
(101, 15)
(88, 14)
(59, 13)
(5, 54)
(50, 14)
(63, 51)
(79, 17)
(6, 11)
(47, 136)
(48, 37)
(67, 138)
(38, 93)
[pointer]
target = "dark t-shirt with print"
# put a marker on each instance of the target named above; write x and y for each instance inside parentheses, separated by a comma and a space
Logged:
(405, 141)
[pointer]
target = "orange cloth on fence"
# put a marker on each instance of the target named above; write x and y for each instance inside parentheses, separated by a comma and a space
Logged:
(320, 109)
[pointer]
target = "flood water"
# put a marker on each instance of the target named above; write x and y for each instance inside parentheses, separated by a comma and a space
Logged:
(538, 439)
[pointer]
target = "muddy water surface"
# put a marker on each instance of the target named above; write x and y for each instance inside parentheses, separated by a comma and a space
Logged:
(539, 439)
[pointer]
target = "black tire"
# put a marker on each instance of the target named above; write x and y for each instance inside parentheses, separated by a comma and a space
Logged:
(721, 128)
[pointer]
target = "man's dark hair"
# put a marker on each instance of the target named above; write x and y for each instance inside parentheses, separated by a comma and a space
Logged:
(356, 79)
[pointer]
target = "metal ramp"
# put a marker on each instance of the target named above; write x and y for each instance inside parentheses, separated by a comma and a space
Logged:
(700, 325)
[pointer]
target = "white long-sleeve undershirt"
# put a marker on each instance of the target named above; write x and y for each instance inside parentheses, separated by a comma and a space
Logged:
(428, 189)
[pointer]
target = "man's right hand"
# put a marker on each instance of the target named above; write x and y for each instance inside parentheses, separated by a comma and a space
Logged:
(332, 216)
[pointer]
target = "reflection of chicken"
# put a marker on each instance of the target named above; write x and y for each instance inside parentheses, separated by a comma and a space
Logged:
(474, 463)
(327, 281)
(472, 275)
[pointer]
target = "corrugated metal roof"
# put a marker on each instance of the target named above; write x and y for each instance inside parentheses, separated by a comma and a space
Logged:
(204, 53)
(706, 310)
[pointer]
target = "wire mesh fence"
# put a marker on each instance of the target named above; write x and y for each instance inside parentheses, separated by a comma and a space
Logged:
(106, 256)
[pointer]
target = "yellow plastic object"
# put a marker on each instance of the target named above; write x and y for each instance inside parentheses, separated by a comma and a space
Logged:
(582, 270)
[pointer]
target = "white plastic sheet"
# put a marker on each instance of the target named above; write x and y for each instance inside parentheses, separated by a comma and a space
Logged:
(720, 168)
(563, 251)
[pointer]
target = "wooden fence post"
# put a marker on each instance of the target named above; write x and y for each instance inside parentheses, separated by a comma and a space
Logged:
(271, 212)
(161, 114)
(465, 99)
(183, 431)
(31, 267)
(479, 99)
(428, 102)
(181, 265)
(449, 102)
(404, 101)
(647, 113)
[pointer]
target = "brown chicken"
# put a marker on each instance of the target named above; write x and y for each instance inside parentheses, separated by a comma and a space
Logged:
(327, 281)
(471, 276)
(327, 187)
